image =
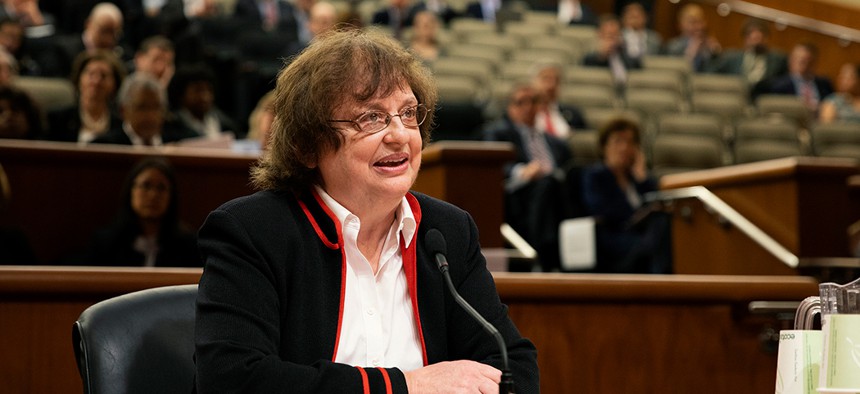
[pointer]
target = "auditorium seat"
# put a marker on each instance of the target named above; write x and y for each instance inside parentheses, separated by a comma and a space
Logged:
(49, 93)
(663, 79)
(583, 96)
(463, 27)
(584, 147)
(490, 54)
(837, 140)
(583, 36)
(583, 75)
(676, 64)
(766, 138)
(479, 70)
(722, 83)
(596, 117)
(506, 43)
(529, 31)
(537, 55)
(673, 153)
(783, 104)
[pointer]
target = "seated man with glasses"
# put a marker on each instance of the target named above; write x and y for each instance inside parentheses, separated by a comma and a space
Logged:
(321, 282)
(533, 194)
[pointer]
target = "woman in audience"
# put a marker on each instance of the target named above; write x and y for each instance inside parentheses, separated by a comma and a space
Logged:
(14, 247)
(425, 37)
(260, 121)
(631, 236)
(96, 77)
(146, 230)
(844, 104)
(20, 116)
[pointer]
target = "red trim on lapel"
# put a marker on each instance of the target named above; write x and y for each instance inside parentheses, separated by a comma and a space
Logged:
(340, 246)
(316, 226)
(410, 269)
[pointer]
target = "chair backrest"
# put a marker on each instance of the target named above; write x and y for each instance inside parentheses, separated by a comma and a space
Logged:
(141, 342)
(49, 93)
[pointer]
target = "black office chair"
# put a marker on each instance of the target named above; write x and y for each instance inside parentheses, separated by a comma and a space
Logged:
(142, 342)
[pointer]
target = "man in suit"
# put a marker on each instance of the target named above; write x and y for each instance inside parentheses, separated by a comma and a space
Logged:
(533, 180)
(801, 80)
(755, 61)
(695, 43)
(274, 16)
(553, 118)
(102, 31)
(142, 106)
(484, 9)
(639, 40)
(610, 51)
(396, 16)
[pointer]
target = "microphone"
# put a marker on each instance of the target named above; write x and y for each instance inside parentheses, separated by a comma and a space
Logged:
(435, 244)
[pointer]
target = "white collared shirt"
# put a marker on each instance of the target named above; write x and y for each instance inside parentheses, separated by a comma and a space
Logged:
(136, 140)
(378, 327)
(208, 127)
(559, 123)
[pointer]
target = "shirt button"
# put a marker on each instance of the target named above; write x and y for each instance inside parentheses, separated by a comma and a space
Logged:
(370, 311)
(375, 362)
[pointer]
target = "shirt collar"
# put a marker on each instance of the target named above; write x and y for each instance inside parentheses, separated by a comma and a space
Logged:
(404, 219)
(135, 139)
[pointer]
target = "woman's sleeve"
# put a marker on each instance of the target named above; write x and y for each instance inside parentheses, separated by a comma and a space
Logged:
(238, 327)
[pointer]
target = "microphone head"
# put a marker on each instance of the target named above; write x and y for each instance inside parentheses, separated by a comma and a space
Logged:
(435, 242)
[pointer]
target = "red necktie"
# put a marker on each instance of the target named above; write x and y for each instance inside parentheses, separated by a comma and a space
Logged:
(550, 129)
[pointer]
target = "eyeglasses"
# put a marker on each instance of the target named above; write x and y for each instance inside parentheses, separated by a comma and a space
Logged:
(374, 121)
(528, 100)
(147, 186)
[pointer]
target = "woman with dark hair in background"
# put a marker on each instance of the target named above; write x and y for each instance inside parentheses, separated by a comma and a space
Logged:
(631, 237)
(96, 77)
(20, 116)
(146, 230)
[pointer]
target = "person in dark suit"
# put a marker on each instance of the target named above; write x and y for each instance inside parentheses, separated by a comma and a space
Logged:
(440, 8)
(191, 95)
(396, 16)
(756, 61)
(533, 180)
(556, 119)
(631, 236)
(639, 40)
(271, 16)
(322, 282)
(15, 248)
(485, 10)
(801, 80)
(146, 230)
(102, 32)
(142, 107)
(695, 43)
(610, 52)
(96, 77)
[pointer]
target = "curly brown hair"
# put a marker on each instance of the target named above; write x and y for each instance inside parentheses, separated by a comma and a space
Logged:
(345, 65)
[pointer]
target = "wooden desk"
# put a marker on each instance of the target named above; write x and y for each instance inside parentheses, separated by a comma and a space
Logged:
(803, 203)
(594, 333)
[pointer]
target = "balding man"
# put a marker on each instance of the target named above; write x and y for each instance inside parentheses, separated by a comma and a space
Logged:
(102, 31)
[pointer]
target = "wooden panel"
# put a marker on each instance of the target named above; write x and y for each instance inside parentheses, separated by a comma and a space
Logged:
(803, 203)
(594, 333)
(62, 193)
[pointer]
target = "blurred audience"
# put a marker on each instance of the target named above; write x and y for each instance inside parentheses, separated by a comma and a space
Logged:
(36, 23)
(440, 8)
(554, 118)
(8, 67)
(146, 230)
(14, 246)
(396, 17)
(639, 40)
(102, 31)
(284, 18)
(20, 116)
(844, 104)
(322, 18)
(191, 95)
(755, 61)
(802, 80)
(610, 52)
(574, 12)
(260, 121)
(142, 107)
(485, 10)
(425, 37)
(155, 57)
(632, 237)
(12, 39)
(96, 77)
(533, 181)
(695, 42)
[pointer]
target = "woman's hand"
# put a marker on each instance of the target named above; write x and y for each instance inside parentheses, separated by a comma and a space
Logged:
(639, 169)
(454, 377)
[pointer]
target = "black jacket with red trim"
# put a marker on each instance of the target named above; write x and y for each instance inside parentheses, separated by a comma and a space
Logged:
(269, 303)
